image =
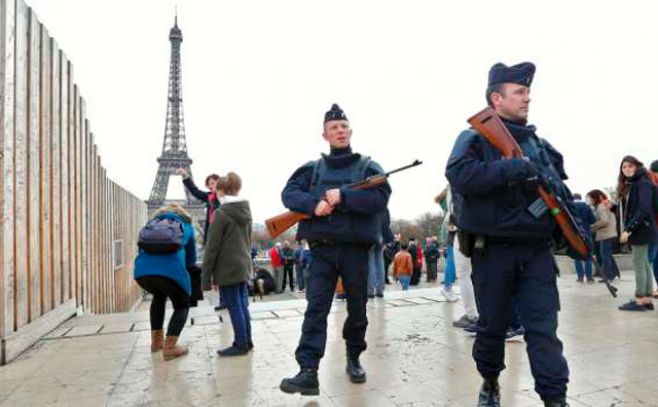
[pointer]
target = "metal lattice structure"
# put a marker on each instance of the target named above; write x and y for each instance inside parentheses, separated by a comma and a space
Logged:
(174, 148)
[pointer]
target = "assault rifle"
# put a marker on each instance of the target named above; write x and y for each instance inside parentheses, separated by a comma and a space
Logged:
(490, 126)
(279, 224)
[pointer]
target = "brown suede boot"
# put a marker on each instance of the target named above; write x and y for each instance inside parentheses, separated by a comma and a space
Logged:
(157, 340)
(171, 350)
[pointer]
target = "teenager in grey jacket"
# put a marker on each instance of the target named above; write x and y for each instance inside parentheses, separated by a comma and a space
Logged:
(605, 230)
(227, 260)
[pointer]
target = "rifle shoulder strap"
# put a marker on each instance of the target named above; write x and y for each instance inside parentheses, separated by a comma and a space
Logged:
(364, 163)
(319, 168)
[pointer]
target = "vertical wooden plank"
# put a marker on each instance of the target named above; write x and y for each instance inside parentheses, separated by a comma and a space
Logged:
(97, 238)
(86, 209)
(110, 269)
(108, 275)
(97, 214)
(108, 247)
(55, 179)
(33, 171)
(45, 144)
(70, 270)
(64, 183)
(20, 165)
(102, 290)
(94, 274)
(7, 217)
(77, 193)
(105, 287)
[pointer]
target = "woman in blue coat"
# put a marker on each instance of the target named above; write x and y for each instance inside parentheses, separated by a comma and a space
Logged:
(165, 276)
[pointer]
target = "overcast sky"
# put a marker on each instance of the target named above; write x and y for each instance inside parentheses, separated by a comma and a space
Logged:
(259, 75)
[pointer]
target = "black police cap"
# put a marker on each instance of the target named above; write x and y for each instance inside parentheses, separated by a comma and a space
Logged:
(335, 113)
(521, 74)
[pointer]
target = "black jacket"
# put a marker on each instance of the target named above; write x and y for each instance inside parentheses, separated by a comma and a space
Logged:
(202, 196)
(638, 206)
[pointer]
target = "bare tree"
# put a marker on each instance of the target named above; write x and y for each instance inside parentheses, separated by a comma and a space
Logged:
(429, 224)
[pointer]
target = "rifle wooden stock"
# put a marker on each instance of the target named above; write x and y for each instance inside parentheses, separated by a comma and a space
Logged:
(488, 124)
(279, 224)
(491, 127)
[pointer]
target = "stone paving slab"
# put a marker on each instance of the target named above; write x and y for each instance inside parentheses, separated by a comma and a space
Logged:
(287, 313)
(84, 330)
(414, 358)
(116, 328)
(57, 333)
(214, 319)
(255, 316)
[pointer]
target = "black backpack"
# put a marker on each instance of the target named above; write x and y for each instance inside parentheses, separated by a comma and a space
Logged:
(161, 236)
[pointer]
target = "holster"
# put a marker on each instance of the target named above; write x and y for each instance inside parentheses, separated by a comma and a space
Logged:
(469, 243)
(466, 242)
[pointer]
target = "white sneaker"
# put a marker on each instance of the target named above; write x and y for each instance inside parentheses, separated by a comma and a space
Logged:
(448, 294)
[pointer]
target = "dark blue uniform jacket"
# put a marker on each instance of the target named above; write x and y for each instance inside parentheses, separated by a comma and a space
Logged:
(356, 219)
(491, 196)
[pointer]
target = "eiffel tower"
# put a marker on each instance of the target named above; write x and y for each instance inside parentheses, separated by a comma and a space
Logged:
(174, 149)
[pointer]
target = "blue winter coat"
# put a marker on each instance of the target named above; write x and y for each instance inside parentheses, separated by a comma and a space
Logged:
(174, 265)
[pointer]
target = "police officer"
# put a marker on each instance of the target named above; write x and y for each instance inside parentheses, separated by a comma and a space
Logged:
(512, 258)
(343, 227)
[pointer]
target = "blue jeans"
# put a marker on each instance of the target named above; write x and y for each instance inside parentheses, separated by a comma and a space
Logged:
(376, 270)
(236, 297)
(609, 265)
(404, 281)
(450, 274)
(299, 275)
(587, 271)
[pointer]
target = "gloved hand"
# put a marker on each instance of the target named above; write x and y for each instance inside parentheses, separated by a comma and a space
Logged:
(520, 170)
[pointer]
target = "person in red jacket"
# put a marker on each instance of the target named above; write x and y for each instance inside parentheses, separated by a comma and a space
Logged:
(277, 267)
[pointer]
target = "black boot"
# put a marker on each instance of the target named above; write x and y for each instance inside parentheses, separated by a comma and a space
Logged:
(354, 369)
(305, 383)
(234, 350)
(489, 394)
(250, 344)
(560, 402)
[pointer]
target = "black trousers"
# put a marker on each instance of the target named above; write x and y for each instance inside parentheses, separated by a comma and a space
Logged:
(522, 276)
(288, 271)
(163, 288)
(350, 262)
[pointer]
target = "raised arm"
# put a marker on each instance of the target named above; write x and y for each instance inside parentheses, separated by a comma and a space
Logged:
(191, 186)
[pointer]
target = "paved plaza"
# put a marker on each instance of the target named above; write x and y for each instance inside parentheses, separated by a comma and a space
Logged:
(415, 358)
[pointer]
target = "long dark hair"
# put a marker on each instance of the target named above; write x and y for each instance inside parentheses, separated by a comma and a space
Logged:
(597, 196)
(622, 187)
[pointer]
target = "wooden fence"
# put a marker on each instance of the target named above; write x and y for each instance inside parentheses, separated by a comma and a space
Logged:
(67, 233)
